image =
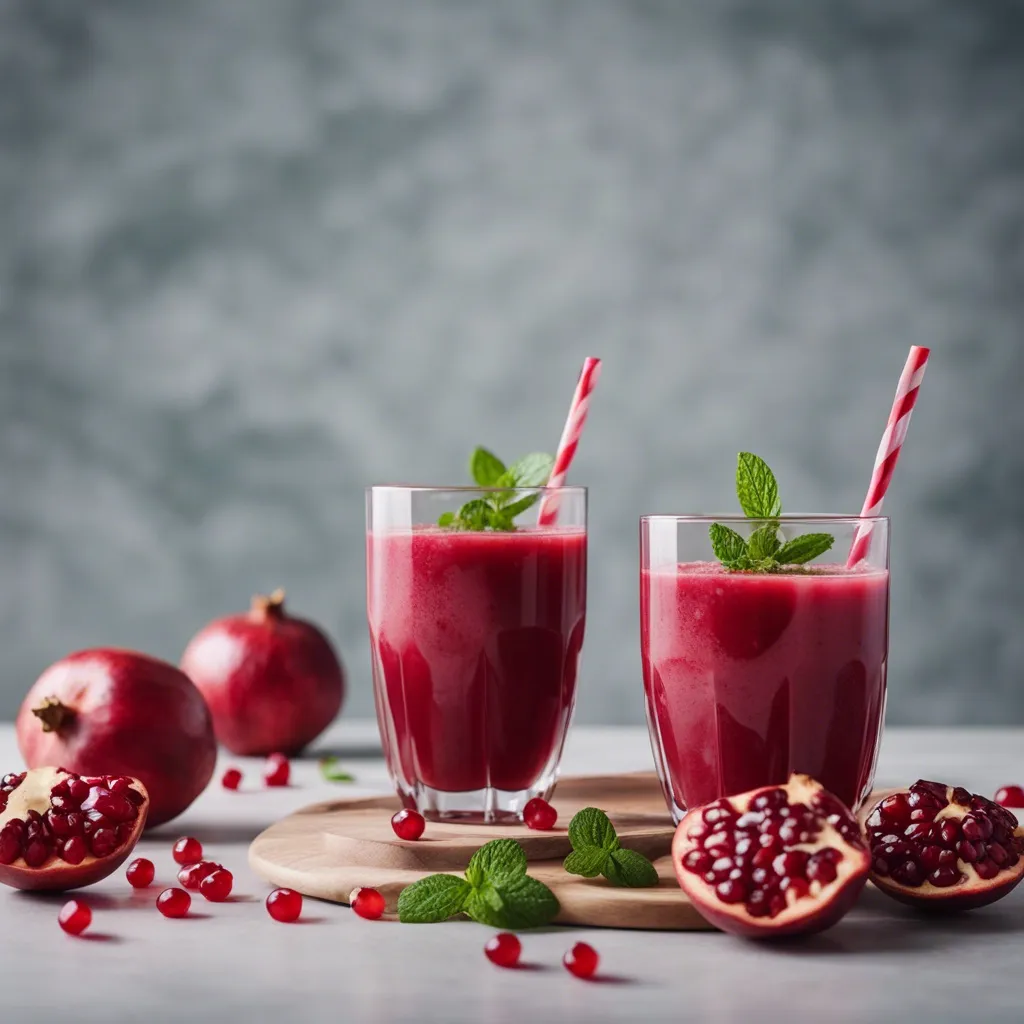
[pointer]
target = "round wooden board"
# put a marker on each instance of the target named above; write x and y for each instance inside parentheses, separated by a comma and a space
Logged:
(329, 849)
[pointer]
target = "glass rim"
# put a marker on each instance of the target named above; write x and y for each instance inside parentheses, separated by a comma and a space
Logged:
(471, 489)
(789, 518)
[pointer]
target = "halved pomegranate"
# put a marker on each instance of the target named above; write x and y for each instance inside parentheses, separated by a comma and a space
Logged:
(780, 860)
(61, 831)
(939, 847)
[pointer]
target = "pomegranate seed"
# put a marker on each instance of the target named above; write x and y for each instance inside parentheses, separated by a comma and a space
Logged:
(1010, 796)
(140, 873)
(74, 917)
(103, 842)
(191, 876)
(277, 771)
(539, 815)
(74, 851)
(284, 905)
(581, 960)
(408, 824)
(173, 902)
(216, 886)
(37, 853)
(231, 779)
(368, 903)
(504, 949)
(10, 846)
(277, 756)
(188, 850)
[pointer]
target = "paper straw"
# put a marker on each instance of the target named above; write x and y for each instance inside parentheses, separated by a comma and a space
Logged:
(889, 450)
(570, 438)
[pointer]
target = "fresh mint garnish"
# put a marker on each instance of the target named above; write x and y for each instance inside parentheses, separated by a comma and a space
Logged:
(496, 891)
(596, 851)
(497, 510)
(330, 769)
(763, 551)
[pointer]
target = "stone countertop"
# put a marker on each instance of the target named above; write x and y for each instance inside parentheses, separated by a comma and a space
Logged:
(232, 962)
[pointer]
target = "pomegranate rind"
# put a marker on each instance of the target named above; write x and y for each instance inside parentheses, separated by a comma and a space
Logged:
(970, 893)
(826, 905)
(57, 875)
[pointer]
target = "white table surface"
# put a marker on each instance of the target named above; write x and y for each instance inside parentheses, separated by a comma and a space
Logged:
(232, 962)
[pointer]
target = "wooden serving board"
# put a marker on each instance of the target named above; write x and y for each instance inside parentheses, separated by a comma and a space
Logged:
(329, 849)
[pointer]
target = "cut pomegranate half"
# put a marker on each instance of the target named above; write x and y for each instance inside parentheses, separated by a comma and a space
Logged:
(781, 860)
(939, 847)
(61, 831)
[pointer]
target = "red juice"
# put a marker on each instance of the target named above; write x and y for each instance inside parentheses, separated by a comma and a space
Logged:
(475, 641)
(751, 676)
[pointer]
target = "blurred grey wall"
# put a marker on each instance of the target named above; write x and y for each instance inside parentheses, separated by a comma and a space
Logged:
(257, 255)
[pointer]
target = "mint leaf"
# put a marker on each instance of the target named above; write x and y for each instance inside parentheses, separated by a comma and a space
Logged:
(485, 467)
(330, 770)
(629, 868)
(764, 542)
(729, 547)
(474, 515)
(591, 827)
(517, 507)
(446, 519)
(589, 861)
(500, 858)
(756, 488)
(513, 902)
(803, 548)
(434, 898)
(531, 470)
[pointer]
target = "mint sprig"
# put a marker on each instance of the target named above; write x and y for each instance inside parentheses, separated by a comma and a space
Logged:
(763, 551)
(331, 770)
(497, 510)
(596, 851)
(496, 891)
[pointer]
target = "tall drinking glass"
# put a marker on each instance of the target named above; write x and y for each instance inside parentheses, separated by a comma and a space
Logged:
(475, 638)
(749, 676)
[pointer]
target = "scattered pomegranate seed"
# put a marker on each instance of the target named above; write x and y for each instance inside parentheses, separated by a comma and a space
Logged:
(277, 771)
(284, 905)
(368, 903)
(173, 902)
(188, 850)
(216, 886)
(231, 779)
(140, 873)
(1010, 796)
(408, 824)
(539, 814)
(504, 949)
(74, 917)
(192, 875)
(581, 960)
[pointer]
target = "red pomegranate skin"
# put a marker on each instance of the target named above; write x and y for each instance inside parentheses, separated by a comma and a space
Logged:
(126, 714)
(272, 682)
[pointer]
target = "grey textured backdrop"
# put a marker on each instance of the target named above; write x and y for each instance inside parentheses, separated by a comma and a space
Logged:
(256, 255)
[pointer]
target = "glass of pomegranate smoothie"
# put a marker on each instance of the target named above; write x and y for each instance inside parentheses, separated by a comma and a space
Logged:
(764, 653)
(476, 601)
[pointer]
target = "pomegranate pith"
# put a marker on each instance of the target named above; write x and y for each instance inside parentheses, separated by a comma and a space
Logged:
(408, 824)
(780, 860)
(74, 917)
(187, 850)
(367, 903)
(539, 814)
(272, 681)
(939, 847)
(173, 902)
(141, 873)
(504, 949)
(1010, 796)
(284, 905)
(62, 831)
(581, 960)
(120, 713)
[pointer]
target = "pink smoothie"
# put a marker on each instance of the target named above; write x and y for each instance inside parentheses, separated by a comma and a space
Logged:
(475, 640)
(751, 676)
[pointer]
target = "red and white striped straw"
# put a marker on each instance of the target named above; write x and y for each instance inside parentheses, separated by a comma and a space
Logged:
(570, 438)
(889, 450)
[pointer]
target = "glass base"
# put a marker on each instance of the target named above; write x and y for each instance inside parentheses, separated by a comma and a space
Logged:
(478, 806)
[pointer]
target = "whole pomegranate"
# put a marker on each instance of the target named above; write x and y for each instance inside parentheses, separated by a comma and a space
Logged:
(777, 861)
(943, 848)
(273, 682)
(113, 712)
